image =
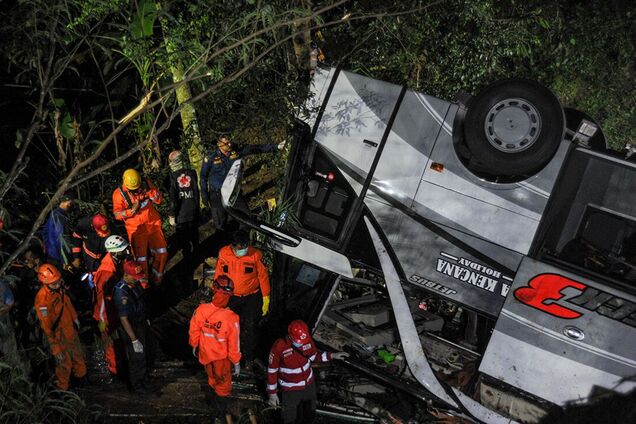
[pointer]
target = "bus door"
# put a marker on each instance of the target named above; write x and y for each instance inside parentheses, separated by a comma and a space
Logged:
(352, 125)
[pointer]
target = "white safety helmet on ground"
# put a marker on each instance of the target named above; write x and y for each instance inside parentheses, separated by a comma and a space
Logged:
(115, 244)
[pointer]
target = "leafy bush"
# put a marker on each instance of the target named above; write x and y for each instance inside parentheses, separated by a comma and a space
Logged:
(25, 402)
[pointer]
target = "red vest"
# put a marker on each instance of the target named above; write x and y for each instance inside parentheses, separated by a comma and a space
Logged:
(290, 367)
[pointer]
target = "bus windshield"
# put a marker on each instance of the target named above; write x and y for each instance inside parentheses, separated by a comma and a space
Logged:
(592, 221)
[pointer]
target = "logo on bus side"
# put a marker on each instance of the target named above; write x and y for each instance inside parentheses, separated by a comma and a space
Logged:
(545, 290)
(473, 273)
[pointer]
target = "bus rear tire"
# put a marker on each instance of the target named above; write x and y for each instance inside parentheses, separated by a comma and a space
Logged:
(513, 127)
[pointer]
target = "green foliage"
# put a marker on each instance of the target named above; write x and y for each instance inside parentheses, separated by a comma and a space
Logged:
(585, 53)
(25, 402)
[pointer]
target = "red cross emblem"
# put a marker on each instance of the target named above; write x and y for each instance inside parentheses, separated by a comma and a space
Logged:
(184, 181)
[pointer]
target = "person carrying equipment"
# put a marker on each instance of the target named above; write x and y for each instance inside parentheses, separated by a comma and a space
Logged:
(59, 322)
(107, 275)
(250, 300)
(214, 337)
(88, 241)
(289, 368)
(133, 204)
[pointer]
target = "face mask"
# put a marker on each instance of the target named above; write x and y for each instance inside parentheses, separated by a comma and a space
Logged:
(240, 252)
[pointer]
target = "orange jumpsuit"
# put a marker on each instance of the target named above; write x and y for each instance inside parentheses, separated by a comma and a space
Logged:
(143, 226)
(248, 272)
(215, 331)
(50, 305)
(105, 279)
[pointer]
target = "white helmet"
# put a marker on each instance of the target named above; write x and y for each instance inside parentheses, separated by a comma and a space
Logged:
(115, 244)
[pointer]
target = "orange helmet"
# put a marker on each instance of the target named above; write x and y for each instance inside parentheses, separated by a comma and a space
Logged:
(48, 274)
(298, 331)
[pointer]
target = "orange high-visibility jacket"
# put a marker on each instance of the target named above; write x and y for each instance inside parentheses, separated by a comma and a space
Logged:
(48, 306)
(105, 278)
(247, 272)
(146, 214)
(215, 331)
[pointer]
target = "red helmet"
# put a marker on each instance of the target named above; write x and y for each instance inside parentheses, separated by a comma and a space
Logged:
(100, 224)
(223, 283)
(48, 274)
(134, 269)
(298, 331)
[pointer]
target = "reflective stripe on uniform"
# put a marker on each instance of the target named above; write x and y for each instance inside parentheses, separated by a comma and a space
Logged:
(219, 339)
(142, 259)
(272, 370)
(272, 386)
(160, 250)
(324, 357)
(101, 311)
(89, 253)
(312, 358)
(286, 384)
(295, 370)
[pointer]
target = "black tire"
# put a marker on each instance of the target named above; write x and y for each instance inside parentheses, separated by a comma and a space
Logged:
(522, 110)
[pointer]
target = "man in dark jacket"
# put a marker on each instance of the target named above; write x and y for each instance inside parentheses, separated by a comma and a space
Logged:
(89, 236)
(184, 195)
(56, 234)
(216, 166)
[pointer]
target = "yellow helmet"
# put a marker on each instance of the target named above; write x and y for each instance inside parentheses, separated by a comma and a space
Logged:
(132, 179)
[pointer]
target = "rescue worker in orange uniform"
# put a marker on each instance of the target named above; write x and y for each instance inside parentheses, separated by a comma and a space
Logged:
(133, 204)
(244, 265)
(58, 320)
(107, 275)
(214, 337)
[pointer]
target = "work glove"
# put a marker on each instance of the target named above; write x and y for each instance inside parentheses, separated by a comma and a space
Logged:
(237, 369)
(265, 305)
(172, 221)
(103, 327)
(59, 358)
(339, 355)
(195, 352)
(273, 400)
(77, 262)
(137, 346)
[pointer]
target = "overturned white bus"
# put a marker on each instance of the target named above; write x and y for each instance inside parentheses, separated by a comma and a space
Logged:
(488, 245)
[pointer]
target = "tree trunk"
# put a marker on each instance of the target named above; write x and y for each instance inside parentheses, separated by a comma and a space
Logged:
(302, 39)
(188, 113)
